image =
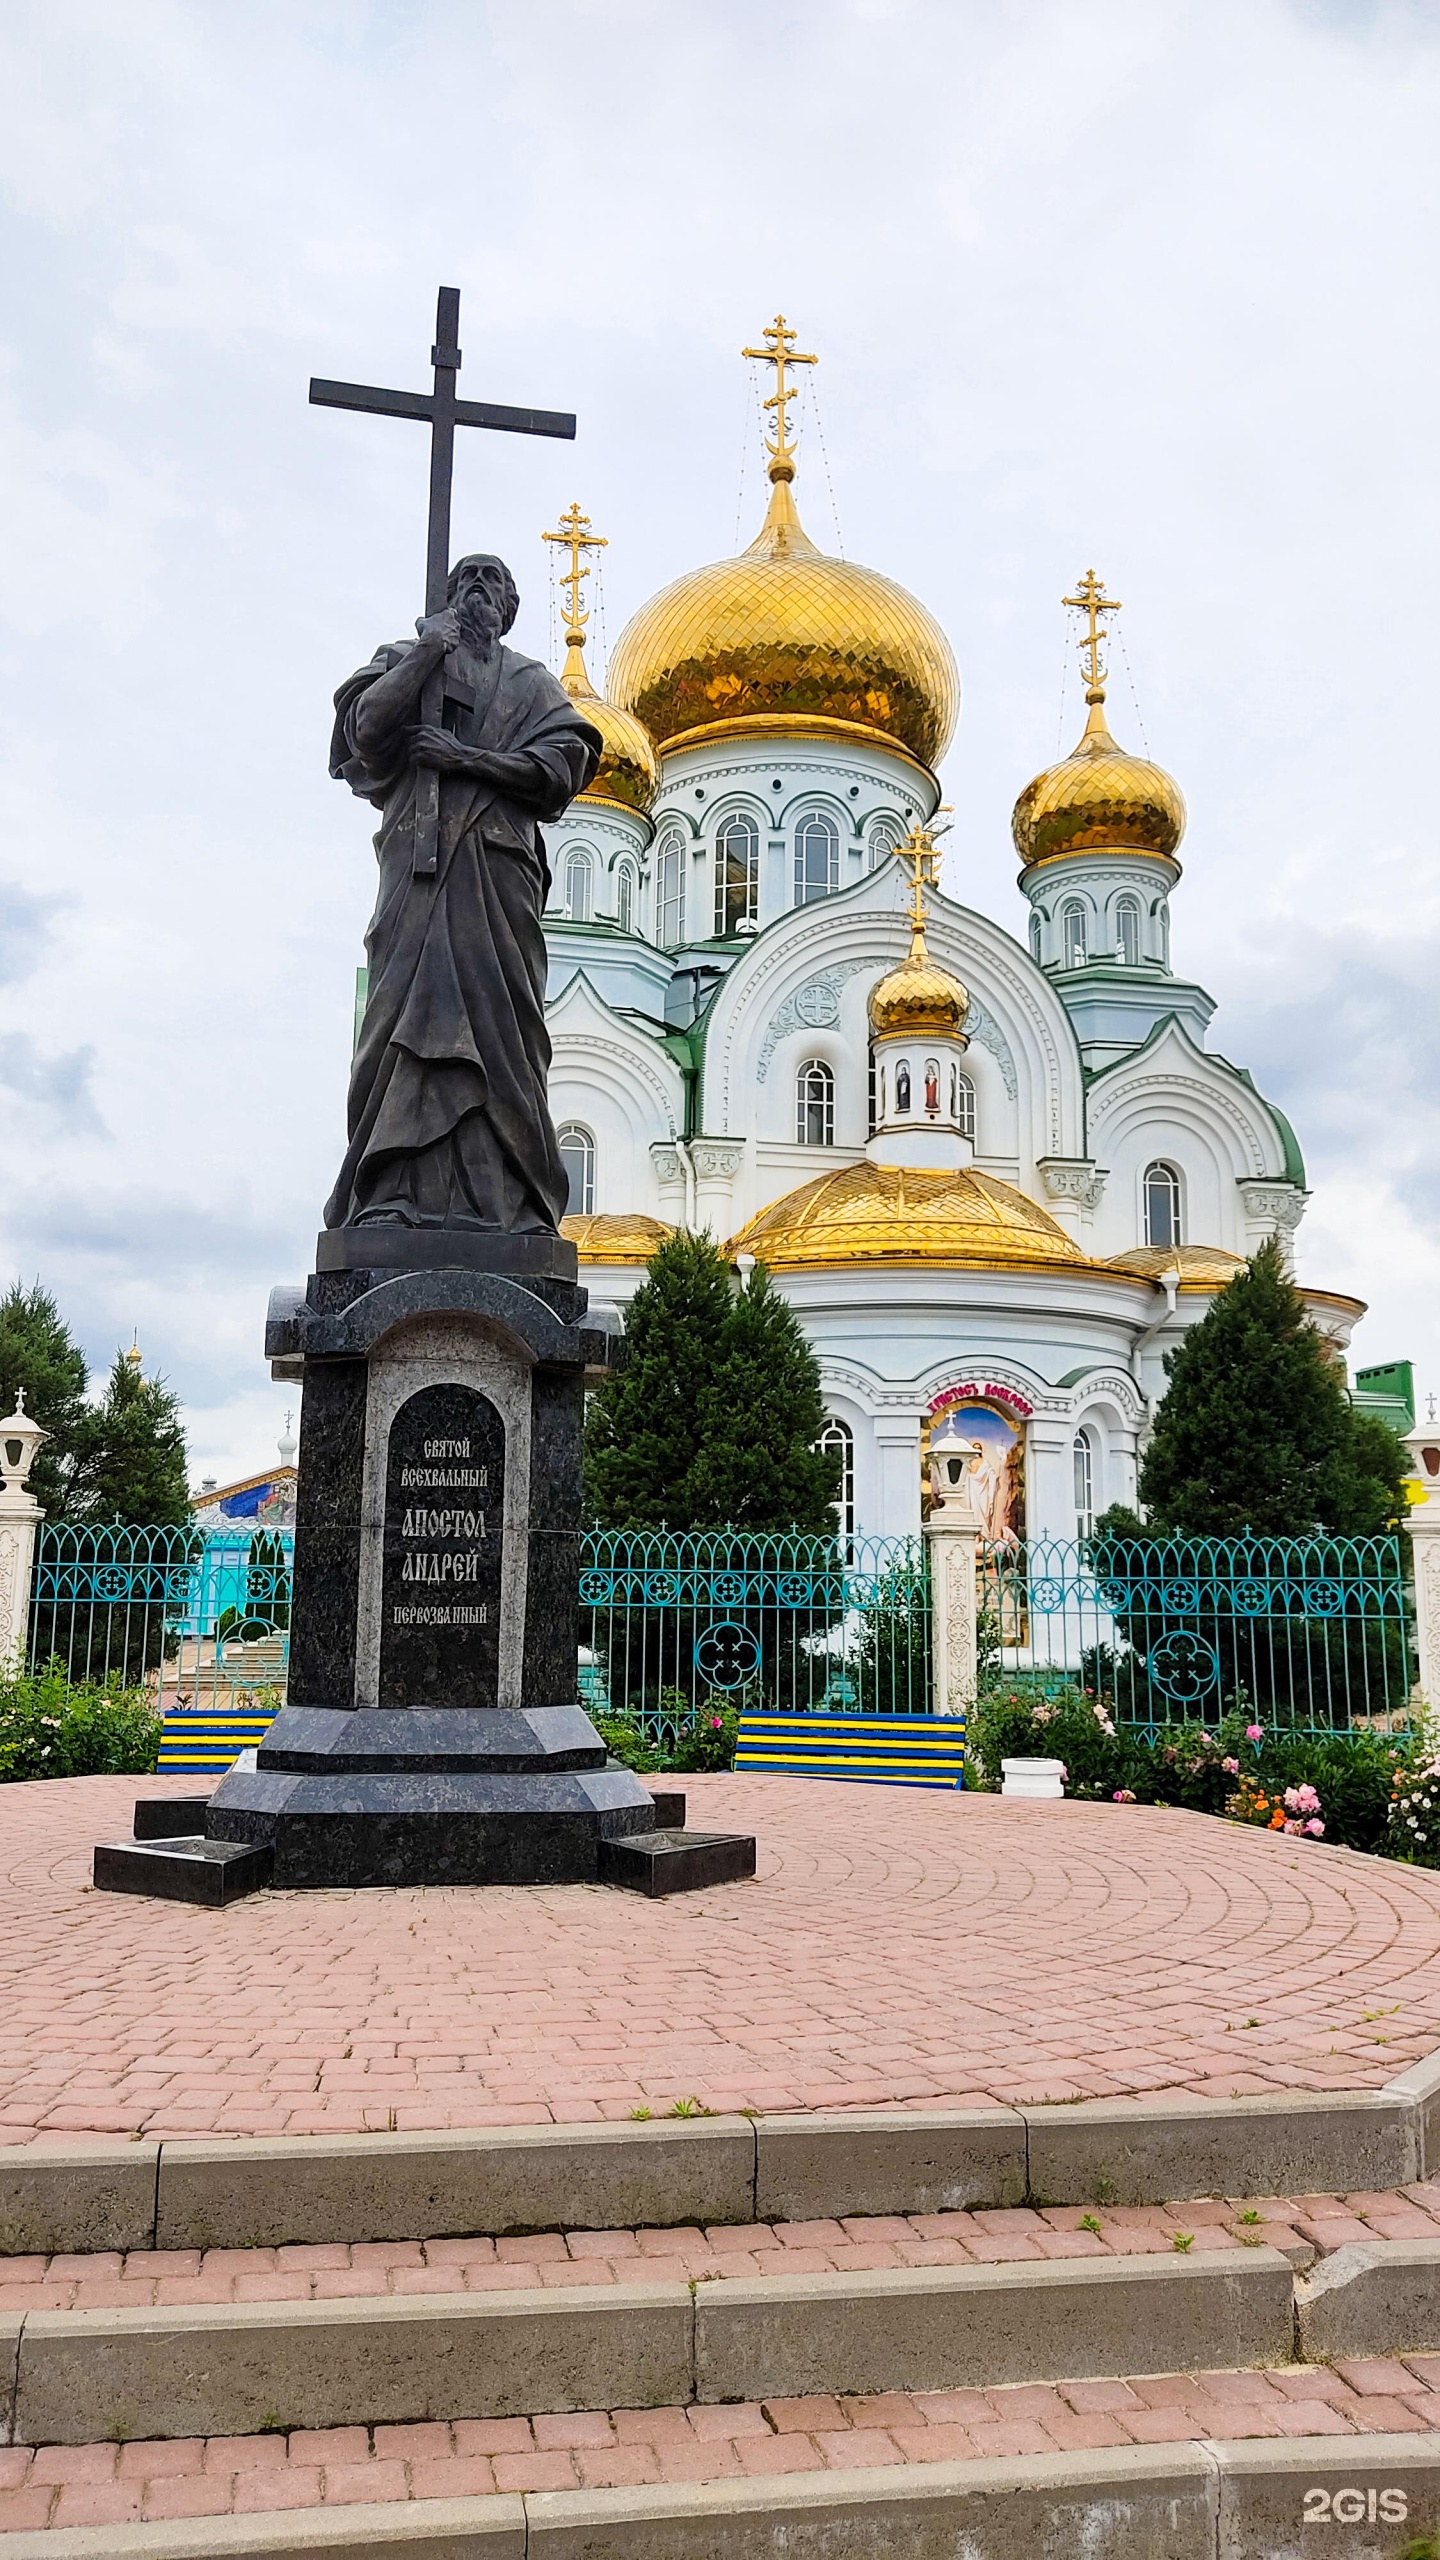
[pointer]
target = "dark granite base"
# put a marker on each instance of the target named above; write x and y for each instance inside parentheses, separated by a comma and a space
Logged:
(213, 1872)
(173, 1817)
(678, 1861)
(516, 1257)
(344, 1742)
(669, 1803)
(415, 1828)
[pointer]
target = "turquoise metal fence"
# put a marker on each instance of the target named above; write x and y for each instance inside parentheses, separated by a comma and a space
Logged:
(194, 1615)
(789, 1624)
(1312, 1634)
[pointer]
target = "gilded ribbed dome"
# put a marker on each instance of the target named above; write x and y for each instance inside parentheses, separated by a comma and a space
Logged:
(784, 637)
(1098, 800)
(895, 1213)
(1200, 1266)
(626, 1236)
(629, 768)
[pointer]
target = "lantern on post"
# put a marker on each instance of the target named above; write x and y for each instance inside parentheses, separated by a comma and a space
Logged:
(20, 1437)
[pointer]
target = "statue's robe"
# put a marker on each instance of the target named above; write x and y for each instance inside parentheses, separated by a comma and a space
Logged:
(448, 1120)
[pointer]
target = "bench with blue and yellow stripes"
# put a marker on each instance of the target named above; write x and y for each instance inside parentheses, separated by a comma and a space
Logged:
(204, 1739)
(886, 1751)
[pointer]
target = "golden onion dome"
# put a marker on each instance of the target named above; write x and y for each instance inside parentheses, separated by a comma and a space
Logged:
(624, 1237)
(786, 638)
(918, 1000)
(1200, 1266)
(1099, 799)
(896, 1213)
(629, 771)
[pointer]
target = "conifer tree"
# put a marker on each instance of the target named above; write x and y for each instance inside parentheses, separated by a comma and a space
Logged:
(759, 1466)
(128, 1454)
(647, 1422)
(714, 1418)
(39, 1354)
(1256, 1431)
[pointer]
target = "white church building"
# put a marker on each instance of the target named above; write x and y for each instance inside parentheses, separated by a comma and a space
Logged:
(990, 1176)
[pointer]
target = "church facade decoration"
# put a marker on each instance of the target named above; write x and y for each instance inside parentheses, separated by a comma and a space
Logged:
(996, 1172)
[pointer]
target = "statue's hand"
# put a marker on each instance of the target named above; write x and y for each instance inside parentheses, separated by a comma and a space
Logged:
(440, 630)
(437, 748)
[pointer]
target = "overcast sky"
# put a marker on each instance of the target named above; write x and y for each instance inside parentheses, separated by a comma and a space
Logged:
(1128, 282)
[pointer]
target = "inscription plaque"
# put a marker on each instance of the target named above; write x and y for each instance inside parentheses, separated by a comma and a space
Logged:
(440, 1588)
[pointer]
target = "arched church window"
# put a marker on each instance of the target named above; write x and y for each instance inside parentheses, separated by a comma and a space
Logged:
(902, 1086)
(1036, 930)
(837, 1440)
(578, 877)
(815, 1105)
(1072, 928)
(817, 858)
(625, 897)
(1162, 917)
(962, 1109)
(577, 1154)
(1083, 1464)
(884, 837)
(932, 1086)
(1127, 931)
(737, 873)
(1162, 1204)
(670, 873)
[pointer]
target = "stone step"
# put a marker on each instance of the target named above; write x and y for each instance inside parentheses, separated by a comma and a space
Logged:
(659, 1862)
(839, 2484)
(326, 2188)
(183, 1869)
(238, 2368)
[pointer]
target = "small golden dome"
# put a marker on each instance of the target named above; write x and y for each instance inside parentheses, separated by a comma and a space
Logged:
(894, 1213)
(1201, 1266)
(918, 998)
(626, 1237)
(629, 768)
(1099, 799)
(786, 638)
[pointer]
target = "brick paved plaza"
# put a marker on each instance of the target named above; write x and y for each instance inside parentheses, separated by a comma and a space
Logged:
(895, 1948)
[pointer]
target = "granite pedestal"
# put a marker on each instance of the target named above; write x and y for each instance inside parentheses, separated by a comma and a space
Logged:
(433, 1734)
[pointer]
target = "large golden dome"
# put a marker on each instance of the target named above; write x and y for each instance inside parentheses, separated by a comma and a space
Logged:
(787, 638)
(1198, 1266)
(894, 1213)
(1099, 799)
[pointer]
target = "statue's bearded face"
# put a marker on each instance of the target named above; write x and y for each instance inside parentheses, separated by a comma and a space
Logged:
(481, 602)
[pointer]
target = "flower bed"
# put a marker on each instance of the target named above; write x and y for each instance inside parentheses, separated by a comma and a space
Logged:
(1379, 1792)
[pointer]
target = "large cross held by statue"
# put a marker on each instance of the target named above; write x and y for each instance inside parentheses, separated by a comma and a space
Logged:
(443, 413)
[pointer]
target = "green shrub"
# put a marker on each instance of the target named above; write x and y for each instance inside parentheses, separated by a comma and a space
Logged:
(51, 1728)
(704, 1735)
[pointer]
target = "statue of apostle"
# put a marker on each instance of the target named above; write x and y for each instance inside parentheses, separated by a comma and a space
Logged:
(448, 1121)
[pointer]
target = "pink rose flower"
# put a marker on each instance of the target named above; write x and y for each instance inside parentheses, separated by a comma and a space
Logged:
(1231, 1768)
(1254, 1733)
(1316, 1830)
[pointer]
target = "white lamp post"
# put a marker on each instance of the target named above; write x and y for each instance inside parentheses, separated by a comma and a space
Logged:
(20, 1516)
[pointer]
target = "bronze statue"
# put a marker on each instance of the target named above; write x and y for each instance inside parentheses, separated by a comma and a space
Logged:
(448, 1121)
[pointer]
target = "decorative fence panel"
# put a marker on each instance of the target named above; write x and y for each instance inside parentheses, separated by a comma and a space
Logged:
(1313, 1634)
(196, 1617)
(790, 1625)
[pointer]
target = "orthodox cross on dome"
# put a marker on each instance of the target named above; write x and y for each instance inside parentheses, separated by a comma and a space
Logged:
(922, 854)
(575, 533)
(438, 409)
(781, 352)
(1092, 601)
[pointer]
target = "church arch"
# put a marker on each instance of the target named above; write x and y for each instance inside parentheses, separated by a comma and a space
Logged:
(672, 861)
(626, 897)
(1163, 1204)
(815, 1104)
(579, 884)
(1074, 933)
(817, 857)
(837, 1440)
(737, 874)
(1127, 930)
(577, 1154)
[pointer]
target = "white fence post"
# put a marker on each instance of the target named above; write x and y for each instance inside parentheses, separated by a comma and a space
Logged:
(953, 1530)
(1424, 1527)
(20, 1517)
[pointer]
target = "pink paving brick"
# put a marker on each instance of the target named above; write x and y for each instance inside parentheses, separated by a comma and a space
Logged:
(579, 2005)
